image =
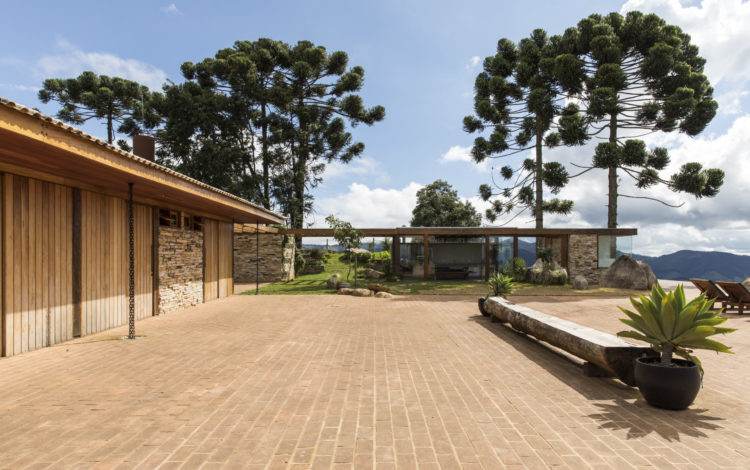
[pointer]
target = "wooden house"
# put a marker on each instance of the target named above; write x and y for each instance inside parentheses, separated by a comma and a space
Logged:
(75, 211)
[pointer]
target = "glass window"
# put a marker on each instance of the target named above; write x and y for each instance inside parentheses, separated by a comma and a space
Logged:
(610, 247)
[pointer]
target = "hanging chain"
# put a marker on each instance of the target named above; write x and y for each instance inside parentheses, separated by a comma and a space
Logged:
(131, 312)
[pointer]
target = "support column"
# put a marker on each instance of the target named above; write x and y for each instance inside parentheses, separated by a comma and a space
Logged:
(426, 256)
(257, 258)
(396, 254)
(486, 257)
(515, 246)
(77, 263)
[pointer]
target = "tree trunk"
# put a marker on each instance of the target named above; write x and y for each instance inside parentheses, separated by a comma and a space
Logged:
(612, 199)
(110, 129)
(266, 159)
(538, 182)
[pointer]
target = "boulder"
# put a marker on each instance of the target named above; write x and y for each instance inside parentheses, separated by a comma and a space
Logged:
(383, 295)
(628, 273)
(361, 292)
(333, 281)
(537, 274)
(580, 283)
(344, 285)
(344, 291)
(746, 282)
(370, 273)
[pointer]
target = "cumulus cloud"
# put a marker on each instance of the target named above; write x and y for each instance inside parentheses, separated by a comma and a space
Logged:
(719, 28)
(473, 63)
(458, 153)
(70, 61)
(363, 206)
(11, 86)
(171, 10)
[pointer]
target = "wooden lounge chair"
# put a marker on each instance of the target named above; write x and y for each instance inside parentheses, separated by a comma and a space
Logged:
(738, 294)
(712, 291)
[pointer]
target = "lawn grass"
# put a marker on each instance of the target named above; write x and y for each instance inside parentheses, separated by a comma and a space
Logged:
(316, 284)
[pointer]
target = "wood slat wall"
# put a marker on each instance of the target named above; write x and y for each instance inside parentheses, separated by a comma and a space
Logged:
(224, 241)
(210, 260)
(217, 259)
(105, 262)
(37, 264)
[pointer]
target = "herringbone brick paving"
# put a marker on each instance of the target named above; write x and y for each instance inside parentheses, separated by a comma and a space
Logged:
(342, 382)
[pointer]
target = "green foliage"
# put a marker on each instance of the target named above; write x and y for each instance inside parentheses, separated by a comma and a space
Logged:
(517, 97)
(515, 268)
(317, 253)
(127, 107)
(638, 73)
(299, 261)
(346, 236)
(546, 254)
(672, 325)
(500, 285)
(262, 118)
(438, 205)
(386, 245)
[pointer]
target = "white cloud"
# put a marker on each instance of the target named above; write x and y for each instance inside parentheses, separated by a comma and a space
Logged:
(172, 10)
(719, 28)
(458, 153)
(473, 63)
(11, 61)
(71, 62)
(12, 86)
(365, 168)
(366, 207)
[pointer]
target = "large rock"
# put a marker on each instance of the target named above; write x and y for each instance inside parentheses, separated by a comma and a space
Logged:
(370, 273)
(355, 292)
(580, 283)
(746, 282)
(628, 273)
(383, 295)
(333, 281)
(537, 274)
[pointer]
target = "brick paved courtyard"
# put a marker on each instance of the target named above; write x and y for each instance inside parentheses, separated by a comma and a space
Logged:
(333, 381)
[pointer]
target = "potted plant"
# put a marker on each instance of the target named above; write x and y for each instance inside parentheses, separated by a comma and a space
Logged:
(500, 286)
(673, 327)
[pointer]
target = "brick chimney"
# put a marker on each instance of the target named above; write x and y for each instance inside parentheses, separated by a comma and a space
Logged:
(144, 146)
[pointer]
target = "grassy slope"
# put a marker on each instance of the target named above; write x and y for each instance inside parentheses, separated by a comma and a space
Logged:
(316, 284)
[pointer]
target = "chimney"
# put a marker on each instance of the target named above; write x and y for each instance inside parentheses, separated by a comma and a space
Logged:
(144, 146)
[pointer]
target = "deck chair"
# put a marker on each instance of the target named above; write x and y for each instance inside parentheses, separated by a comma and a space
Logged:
(738, 294)
(712, 291)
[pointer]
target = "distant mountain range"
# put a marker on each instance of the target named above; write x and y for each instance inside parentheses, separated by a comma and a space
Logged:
(681, 265)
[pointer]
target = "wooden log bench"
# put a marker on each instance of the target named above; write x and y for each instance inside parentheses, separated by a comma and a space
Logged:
(607, 353)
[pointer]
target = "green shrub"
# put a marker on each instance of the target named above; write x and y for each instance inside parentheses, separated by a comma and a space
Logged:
(299, 261)
(516, 269)
(500, 284)
(546, 254)
(317, 253)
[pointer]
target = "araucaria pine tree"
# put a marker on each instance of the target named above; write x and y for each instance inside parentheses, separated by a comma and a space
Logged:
(636, 75)
(517, 98)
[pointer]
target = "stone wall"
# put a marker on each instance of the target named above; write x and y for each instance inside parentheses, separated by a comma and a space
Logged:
(273, 267)
(180, 268)
(583, 258)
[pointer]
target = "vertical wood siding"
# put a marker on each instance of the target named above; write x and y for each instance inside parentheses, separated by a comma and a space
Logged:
(210, 260)
(224, 262)
(37, 264)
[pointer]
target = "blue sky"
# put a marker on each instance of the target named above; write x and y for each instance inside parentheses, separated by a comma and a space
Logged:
(420, 59)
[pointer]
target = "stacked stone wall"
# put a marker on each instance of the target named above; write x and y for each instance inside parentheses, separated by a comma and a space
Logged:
(180, 268)
(583, 258)
(276, 263)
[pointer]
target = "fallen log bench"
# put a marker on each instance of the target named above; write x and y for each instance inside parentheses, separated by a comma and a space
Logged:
(608, 353)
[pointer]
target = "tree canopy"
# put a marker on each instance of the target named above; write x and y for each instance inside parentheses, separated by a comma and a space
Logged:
(438, 205)
(636, 75)
(517, 98)
(126, 106)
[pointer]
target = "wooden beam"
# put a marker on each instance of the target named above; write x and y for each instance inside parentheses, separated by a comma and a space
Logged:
(463, 231)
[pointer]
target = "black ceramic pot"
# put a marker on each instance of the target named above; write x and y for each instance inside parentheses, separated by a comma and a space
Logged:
(484, 312)
(671, 387)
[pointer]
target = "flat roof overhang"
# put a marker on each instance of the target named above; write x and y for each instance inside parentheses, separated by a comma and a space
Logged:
(465, 231)
(34, 145)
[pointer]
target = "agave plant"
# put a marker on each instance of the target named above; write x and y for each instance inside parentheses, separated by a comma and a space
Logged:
(673, 326)
(500, 285)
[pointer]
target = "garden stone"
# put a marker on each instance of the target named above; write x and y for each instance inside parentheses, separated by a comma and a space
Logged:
(333, 281)
(361, 292)
(344, 285)
(370, 273)
(344, 291)
(556, 274)
(383, 295)
(628, 273)
(580, 283)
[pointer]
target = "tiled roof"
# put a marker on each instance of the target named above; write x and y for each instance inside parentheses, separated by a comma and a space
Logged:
(84, 136)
